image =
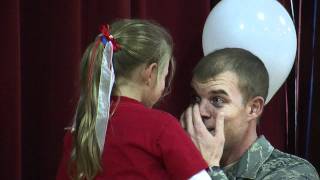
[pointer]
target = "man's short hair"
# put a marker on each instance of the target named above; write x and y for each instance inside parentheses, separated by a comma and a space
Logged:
(252, 74)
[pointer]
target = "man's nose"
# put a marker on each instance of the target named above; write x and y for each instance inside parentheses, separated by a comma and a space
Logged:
(204, 110)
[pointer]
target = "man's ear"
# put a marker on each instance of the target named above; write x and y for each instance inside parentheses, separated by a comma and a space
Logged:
(149, 74)
(255, 107)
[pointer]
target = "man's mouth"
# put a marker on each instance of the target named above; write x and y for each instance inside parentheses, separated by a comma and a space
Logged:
(211, 130)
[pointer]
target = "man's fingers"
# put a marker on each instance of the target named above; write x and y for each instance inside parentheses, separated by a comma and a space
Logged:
(188, 120)
(220, 124)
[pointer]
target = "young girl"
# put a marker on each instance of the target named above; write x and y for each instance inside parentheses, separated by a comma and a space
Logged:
(116, 134)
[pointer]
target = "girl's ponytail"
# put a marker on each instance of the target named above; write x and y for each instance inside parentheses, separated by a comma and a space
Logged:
(93, 109)
(85, 157)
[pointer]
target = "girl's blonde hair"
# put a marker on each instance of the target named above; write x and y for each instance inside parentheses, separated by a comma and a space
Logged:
(142, 42)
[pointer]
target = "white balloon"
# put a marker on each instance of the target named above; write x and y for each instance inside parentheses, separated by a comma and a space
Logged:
(262, 27)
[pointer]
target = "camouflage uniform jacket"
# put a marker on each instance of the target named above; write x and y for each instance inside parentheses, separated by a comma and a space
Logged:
(263, 161)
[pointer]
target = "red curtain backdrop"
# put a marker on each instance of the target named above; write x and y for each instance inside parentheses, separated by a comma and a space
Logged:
(307, 71)
(41, 47)
(10, 90)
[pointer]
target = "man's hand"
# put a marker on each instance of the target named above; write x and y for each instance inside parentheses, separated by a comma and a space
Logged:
(210, 146)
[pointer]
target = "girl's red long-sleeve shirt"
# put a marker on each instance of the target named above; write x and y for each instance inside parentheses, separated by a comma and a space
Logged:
(142, 143)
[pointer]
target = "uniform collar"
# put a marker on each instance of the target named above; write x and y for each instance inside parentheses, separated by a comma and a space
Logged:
(251, 161)
(125, 99)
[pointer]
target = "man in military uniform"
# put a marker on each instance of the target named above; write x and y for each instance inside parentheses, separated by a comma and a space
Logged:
(230, 88)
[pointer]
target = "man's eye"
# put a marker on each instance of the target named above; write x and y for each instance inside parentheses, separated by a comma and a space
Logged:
(195, 99)
(217, 101)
